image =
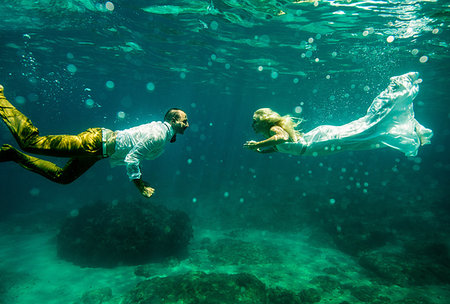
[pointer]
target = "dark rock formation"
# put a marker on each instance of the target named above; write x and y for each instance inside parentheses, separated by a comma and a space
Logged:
(106, 235)
(202, 288)
(419, 264)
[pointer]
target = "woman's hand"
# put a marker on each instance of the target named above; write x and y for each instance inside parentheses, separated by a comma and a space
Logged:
(251, 145)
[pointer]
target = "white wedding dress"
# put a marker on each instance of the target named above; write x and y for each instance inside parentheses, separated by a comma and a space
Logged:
(389, 122)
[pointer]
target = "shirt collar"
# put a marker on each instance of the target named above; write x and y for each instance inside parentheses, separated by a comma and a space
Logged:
(170, 129)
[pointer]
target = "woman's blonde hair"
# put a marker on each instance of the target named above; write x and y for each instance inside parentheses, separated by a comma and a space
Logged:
(271, 118)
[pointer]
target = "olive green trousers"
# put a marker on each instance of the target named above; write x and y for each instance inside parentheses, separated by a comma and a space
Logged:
(84, 149)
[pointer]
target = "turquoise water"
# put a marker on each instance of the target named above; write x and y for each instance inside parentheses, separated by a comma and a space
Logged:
(298, 222)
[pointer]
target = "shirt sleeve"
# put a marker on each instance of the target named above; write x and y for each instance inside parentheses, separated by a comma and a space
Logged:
(147, 148)
(133, 160)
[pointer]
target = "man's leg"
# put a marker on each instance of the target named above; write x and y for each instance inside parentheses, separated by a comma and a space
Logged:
(86, 144)
(74, 168)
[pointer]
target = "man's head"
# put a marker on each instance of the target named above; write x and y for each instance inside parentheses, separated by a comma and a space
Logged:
(177, 119)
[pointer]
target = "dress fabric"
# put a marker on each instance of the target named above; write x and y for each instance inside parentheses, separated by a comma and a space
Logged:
(389, 122)
(142, 142)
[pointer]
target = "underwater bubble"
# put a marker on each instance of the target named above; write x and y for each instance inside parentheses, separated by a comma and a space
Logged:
(74, 213)
(241, 200)
(121, 115)
(110, 84)
(194, 200)
(214, 25)
(365, 33)
(423, 59)
(366, 88)
(226, 194)
(150, 86)
(315, 154)
(415, 52)
(365, 191)
(189, 161)
(213, 57)
(390, 39)
(435, 31)
(260, 68)
(209, 63)
(417, 160)
(295, 80)
(298, 109)
(182, 75)
(334, 54)
(227, 66)
(109, 6)
(70, 56)
(316, 60)
(72, 68)
(366, 184)
(297, 178)
(274, 75)
(318, 36)
(328, 77)
(316, 3)
(89, 103)
(20, 99)
(35, 191)
(314, 91)
(193, 105)
(332, 201)
(308, 54)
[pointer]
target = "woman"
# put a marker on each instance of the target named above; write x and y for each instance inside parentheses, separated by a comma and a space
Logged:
(389, 122)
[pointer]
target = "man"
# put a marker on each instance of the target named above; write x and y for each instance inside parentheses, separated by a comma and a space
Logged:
(127, 147)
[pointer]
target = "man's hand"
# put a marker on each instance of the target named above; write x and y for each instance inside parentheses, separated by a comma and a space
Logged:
(145, 189)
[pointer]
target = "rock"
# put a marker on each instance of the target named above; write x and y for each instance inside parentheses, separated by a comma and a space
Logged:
(202, 288)
(409, 268)
(237, 252)
(310, 295)
(97, 296)
(365, 294)
(326, 283)
(106, 235)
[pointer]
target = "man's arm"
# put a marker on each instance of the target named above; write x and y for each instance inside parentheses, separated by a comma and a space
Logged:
(133, 160)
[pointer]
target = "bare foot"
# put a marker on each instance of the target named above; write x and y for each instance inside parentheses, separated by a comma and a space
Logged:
(7, 153)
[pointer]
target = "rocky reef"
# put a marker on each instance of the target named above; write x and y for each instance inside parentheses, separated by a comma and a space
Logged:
(214, 288)
(110, 234)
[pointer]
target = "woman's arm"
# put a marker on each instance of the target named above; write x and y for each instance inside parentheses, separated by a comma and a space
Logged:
(279, 136)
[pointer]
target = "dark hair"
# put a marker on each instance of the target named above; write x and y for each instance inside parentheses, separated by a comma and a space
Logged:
(172, 113)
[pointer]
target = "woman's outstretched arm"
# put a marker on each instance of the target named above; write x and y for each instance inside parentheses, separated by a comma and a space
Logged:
(279, 136)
